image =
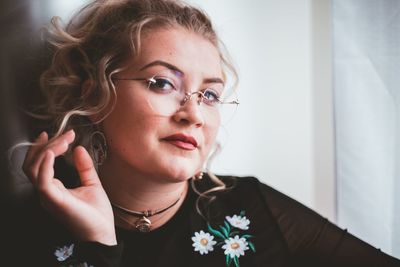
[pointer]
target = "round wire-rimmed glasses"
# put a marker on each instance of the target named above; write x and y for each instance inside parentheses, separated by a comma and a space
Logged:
(168, 95)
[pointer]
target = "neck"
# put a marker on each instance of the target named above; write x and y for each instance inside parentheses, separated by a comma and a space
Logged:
(136, 191)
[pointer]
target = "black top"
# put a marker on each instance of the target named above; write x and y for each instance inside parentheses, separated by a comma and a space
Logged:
(269, 229)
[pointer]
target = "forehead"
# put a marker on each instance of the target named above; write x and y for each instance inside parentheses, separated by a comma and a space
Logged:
(187, 50)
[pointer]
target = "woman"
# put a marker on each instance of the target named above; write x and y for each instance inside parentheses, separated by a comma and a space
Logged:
(135, 90)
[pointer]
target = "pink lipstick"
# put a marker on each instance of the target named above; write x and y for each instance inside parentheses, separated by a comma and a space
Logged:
(183, 141)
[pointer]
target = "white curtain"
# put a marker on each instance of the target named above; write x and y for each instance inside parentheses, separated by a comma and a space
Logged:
(367, 118)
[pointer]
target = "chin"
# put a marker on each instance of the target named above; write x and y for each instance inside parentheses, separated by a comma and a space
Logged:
(171, 179)
(178, 168)
(179, 174)
(178, 179)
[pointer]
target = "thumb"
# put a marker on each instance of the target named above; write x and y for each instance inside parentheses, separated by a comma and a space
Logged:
(85, 167)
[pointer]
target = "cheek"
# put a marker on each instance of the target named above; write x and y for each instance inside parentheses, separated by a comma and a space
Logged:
(129, 122)
(210, 135)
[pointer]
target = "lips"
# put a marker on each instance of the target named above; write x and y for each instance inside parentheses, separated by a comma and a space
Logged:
(183, 141)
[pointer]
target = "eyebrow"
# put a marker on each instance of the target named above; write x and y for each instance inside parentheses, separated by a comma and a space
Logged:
(174, 68)
(214, 80)
(161, 63)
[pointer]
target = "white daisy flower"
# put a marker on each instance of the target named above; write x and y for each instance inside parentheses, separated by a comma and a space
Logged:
(64, 253)
(203, 242)
(235, 246)
(238, 221)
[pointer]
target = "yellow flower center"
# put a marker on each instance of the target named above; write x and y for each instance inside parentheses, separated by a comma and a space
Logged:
(203, 241)
(235, 245)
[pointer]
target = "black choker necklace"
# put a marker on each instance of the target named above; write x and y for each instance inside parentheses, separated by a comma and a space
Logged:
(144, 223)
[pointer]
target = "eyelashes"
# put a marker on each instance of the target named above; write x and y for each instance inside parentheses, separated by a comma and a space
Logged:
(164, 85)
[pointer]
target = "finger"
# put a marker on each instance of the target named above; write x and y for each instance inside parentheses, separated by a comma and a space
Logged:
(58, 146)
(46, 173)
(31, 156)
(33, 149)
(84, 165)
(33, 171)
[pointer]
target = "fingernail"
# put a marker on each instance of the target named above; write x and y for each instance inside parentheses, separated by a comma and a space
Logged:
(70, 131)
(41, 135)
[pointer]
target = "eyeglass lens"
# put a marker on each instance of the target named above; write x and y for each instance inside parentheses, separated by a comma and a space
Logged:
(168, 95)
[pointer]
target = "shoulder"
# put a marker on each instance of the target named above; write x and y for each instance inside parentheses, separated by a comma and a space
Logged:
(248, 187)
(245, 183)
(263, 201)
(232, 183)
(296, 222)
(241, 194)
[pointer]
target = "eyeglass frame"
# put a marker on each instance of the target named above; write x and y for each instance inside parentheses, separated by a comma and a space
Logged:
(187, 96)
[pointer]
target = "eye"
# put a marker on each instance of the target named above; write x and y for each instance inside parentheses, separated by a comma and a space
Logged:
(161, 84)
(211, 97)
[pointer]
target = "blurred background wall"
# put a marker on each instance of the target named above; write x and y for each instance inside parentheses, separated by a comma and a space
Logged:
(22, 58)
(367, 103)
(283, 130)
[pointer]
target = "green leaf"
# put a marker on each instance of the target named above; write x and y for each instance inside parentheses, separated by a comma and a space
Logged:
(247, 236)
(251, 245)
(215, 232)
(236, 261)
(228, 260)
(228, 227)
(242, 213)
(224, 231)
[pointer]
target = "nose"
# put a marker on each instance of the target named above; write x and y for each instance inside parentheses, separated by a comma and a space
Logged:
(190, 111)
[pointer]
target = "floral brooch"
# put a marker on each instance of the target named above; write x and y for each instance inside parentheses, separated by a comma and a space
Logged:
(64, 253)
(230, 237)
(66, 258)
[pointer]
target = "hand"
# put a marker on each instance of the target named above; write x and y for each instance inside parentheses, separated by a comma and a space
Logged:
(86, 210)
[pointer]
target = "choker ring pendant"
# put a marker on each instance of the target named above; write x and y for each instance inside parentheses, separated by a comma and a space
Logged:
(143, 224)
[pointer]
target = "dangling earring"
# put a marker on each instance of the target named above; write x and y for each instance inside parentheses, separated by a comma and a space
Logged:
(98, 146)
(198, 176)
